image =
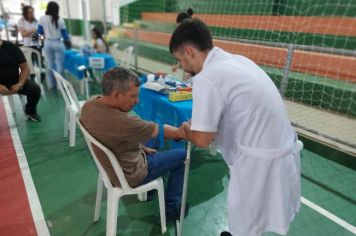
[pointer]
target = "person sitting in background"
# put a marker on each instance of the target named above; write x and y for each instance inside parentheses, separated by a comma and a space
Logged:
(53, 28)
(12, 82)
(100, 44)
(124, 135)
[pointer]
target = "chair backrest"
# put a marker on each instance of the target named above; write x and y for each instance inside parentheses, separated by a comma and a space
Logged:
(27, 51)
(90, 141)
(67, 91)
(126, 56)
(113, 48)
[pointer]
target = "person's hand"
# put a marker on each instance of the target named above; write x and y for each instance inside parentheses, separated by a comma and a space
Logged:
(5, 91)
(175, 67)
(16, 87)
(183, 130)
(149, 151)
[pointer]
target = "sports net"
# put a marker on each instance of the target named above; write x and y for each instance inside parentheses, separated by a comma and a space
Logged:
(307, 48)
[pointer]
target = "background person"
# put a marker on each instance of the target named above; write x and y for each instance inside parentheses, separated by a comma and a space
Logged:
(54, 30)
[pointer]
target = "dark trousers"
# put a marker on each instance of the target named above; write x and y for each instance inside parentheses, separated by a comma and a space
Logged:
(172, 162)
(33, 93)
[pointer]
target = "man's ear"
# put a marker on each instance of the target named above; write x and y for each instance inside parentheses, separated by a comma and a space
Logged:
(189, 50)
(115, 94)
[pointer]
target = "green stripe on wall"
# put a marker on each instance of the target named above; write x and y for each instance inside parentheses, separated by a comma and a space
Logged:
(133, 11)
(264, 35)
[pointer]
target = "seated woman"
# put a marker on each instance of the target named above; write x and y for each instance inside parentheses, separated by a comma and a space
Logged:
(99, 42)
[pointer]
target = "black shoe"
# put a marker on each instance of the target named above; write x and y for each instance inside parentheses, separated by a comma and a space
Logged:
(225, 233)
(35, 117)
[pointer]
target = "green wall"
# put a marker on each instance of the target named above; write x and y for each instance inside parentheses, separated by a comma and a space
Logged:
(244, 7)
(133, 11)
(333, 41)
(76, 26)
(315, 7)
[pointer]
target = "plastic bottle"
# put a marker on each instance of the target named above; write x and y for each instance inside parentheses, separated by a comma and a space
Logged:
(213, 148)
(161, 80)
(150, 78)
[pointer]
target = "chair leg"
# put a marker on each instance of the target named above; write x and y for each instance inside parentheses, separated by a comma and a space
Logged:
(66, 120)
(72, 130)
(162, 208)
(142, 197)
(111, 218)
(22, 100)
(99, 195)
(11, 103)
(38, 80)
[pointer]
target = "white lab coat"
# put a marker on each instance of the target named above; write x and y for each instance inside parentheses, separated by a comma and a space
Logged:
(236, 99)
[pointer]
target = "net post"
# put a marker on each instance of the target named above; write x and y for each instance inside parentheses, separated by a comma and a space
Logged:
(136, 48)
(286, 70)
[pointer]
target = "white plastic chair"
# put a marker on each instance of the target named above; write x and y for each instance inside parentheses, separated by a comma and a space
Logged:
(114, 48)
(126, 57)
(35, 70)
(12, 104)
(115, 193)
(72, 109)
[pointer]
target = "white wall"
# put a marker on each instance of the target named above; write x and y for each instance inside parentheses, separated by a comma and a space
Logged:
(74, 9)
(96, 9)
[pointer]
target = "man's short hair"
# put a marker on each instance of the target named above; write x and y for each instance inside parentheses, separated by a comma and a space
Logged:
(191, 31)
(119, 79)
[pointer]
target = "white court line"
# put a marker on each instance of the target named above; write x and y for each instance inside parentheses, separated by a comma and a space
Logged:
(329, 215)
(35, 205)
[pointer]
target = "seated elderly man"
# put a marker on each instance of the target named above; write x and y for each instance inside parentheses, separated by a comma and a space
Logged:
(106, 118)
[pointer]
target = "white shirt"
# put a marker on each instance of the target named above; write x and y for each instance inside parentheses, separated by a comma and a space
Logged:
(26, 25)
(235, 98)
(100, 46)
(49, 28)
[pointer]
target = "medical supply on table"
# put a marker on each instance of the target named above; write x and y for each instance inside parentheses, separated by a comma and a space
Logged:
(150, 78)
(154, 86)
(180, 96)
(161, 80)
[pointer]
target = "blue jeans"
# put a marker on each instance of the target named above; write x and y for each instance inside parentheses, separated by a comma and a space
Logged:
(54, 54)
(172, 162)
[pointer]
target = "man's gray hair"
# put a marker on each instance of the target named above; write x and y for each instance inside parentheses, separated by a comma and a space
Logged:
(119, 79)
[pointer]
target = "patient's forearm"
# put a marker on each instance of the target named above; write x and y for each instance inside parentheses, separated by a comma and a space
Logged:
(171, 132)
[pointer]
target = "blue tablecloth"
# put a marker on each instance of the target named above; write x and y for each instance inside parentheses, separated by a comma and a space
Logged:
(73, 59)
(154, 106)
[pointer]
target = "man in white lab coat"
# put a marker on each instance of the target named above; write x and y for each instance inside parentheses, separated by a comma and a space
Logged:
(236, 104)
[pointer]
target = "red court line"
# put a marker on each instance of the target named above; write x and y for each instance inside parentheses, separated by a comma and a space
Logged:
(15, 213)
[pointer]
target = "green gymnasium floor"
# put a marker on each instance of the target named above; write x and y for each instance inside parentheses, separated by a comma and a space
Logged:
(65, 179)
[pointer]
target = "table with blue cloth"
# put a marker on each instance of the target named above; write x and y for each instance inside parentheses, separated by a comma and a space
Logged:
(156, 107)
(73, 59)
